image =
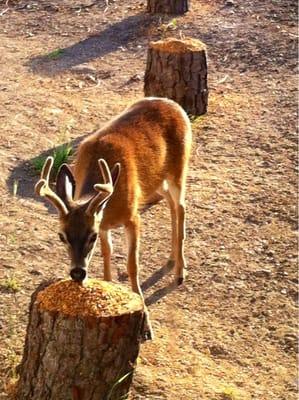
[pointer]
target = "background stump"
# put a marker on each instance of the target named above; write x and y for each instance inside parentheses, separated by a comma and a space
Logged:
(167, 6)
(177, 69)
(81, 343)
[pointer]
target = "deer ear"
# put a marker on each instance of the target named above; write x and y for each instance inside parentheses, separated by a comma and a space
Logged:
(115, 172)
(65, 184)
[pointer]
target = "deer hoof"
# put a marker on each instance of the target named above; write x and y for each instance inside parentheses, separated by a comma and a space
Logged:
(147, 335)
(179, 280)
(147, 332)
(180, 276)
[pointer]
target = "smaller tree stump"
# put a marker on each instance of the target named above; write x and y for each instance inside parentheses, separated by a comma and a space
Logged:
(81, 343)
(177, 69)
(167, 6)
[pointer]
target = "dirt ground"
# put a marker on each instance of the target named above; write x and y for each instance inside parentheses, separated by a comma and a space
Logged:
(230, 331)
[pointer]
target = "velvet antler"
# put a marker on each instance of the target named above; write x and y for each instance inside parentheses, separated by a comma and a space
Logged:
(43, 189)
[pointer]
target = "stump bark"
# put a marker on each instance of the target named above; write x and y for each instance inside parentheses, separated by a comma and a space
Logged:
(177, 69)
(81, 342)
(167, 6)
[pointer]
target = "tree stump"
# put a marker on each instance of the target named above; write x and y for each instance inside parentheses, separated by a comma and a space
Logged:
(167, 6)
(81, 342)
(177, 69)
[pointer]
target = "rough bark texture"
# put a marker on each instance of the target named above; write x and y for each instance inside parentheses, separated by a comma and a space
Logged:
(180, 76)
(68, 358)
(167, 6)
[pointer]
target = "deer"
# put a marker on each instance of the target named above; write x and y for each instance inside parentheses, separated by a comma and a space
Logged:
(131, 163)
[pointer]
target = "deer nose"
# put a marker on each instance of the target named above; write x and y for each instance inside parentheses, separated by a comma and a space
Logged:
(78, 274)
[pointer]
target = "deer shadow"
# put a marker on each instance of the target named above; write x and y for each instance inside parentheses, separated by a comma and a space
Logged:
(120, 34)
(160, 293)
(153, 279)
(23, 177)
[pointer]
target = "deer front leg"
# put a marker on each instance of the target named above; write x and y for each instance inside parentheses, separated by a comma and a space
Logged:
(180, 268)
(106, 246)
(177, 195)
(132, 231)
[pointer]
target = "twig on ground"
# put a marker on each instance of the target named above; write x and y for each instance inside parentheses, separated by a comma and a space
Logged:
(3, 12)
(83, 6)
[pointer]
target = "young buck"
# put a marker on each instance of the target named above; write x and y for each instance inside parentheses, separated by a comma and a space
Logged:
(129, 164)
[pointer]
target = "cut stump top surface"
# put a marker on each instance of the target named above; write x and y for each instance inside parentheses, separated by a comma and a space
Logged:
(172, 45)
(93, 299)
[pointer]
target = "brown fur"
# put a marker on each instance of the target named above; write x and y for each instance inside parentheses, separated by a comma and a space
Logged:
(151, 141)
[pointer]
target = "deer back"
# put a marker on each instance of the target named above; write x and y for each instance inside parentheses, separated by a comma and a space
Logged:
(151, 140)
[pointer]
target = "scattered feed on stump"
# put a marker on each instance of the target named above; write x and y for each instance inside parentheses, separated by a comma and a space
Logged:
(172, 45)
(177, 69)
(80, 342)
(95, 299)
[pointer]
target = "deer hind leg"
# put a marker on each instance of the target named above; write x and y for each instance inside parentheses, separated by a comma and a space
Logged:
(106, 246)
(176, 192)
(132, 232)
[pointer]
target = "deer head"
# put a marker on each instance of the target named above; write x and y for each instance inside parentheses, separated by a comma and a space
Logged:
(80, 219)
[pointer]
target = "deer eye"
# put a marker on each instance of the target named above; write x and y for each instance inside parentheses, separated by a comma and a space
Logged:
(93, 238)
(62, 237)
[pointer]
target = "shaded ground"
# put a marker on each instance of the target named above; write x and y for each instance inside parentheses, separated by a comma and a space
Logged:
(230, 332)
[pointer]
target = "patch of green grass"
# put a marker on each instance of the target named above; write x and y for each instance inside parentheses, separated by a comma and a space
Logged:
(55, 54)
(229, 393)
(11, 239)
(11, 324)
(12, 361)
(173, 24)
(11, 284)
(9, 368)
(118, 382)
(61, 155)
(195, 119)
(38, 163)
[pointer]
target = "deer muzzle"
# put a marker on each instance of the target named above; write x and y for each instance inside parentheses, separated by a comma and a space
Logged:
(78, 274)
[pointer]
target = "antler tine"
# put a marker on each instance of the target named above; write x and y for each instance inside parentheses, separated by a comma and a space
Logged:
(106, 174)
(45, 174)
(43, 183)
(107, 186)
(43, 189)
